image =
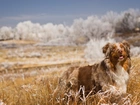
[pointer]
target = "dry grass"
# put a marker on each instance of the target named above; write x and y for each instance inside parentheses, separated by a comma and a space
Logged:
(27, 92)
(34, 84)
(38, 90)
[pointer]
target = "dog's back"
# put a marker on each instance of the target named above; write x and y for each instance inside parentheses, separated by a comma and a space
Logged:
(113, 71)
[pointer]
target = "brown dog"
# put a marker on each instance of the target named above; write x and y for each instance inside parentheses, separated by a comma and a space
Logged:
(113, 71)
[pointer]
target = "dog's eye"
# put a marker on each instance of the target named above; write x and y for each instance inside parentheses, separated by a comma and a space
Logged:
(113, 49)
(123, 47)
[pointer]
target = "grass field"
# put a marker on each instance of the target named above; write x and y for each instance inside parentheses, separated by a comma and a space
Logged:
(29, 74)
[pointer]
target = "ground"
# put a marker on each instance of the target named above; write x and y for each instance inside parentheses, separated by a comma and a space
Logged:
(29, 73)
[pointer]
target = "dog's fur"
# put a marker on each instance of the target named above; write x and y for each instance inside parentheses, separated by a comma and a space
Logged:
(112, 71)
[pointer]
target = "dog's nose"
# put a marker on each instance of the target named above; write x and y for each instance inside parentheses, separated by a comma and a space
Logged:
(119, 51)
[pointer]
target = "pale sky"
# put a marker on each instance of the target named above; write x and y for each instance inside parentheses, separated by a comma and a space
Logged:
(58, 11)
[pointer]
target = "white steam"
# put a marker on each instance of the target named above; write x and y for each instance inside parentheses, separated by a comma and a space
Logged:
(94, 31)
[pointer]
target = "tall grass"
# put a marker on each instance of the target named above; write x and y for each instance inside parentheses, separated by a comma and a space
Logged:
(39, 90)
(35, 84)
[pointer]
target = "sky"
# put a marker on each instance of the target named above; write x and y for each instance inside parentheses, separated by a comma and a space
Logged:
(58, 11)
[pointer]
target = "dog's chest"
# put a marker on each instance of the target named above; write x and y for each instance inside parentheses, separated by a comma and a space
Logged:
(121, 77)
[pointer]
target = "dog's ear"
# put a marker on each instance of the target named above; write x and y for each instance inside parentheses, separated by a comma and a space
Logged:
(105, 48)
(126, 44)
(127, 47)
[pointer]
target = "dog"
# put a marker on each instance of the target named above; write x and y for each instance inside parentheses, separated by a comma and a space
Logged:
(112, 71)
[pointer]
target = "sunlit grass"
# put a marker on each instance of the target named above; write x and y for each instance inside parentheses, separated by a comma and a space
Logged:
(39, 89)
(34, 83)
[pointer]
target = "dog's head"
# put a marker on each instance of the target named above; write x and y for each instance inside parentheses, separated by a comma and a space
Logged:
(117, 51)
